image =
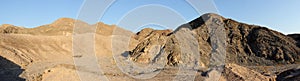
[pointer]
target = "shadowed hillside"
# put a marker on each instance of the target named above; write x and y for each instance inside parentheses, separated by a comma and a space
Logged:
(10, 71)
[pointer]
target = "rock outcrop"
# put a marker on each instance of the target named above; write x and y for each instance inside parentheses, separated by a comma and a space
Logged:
(296, 37)
(235, 72)
(7, 29)
(289, 75)
(151, 41)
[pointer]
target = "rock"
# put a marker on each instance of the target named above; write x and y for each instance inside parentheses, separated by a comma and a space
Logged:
(153, 41)
(289, 75)
(236, 72)
(296, 37)
(10, 29)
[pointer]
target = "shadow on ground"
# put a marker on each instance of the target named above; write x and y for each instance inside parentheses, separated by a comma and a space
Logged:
(9, 71)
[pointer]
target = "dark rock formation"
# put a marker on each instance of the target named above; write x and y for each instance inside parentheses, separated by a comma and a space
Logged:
(296, 37)
(289, 75)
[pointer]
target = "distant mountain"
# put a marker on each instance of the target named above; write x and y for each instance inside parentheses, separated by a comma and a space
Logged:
(62, 26)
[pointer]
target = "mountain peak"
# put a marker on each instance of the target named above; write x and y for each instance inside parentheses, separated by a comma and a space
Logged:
(6, 25)
(205, 19)
(212, 15)
(64, 21)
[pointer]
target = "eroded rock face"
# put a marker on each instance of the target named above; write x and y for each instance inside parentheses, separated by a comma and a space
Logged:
(273, 45)
(245, 44)
(289, 75)
(151, 42)
(296, 37)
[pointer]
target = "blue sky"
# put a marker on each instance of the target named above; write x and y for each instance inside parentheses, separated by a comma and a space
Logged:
(280, 15)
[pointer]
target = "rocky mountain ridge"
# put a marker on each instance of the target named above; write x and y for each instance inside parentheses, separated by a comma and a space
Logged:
(44, 53)
(246, 44)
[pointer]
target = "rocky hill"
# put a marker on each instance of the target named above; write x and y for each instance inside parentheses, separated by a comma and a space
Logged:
(246, 44)
(207, 45)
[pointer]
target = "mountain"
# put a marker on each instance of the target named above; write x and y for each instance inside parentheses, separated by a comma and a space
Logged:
(246, 44)
(207, 45)
(62, 26)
